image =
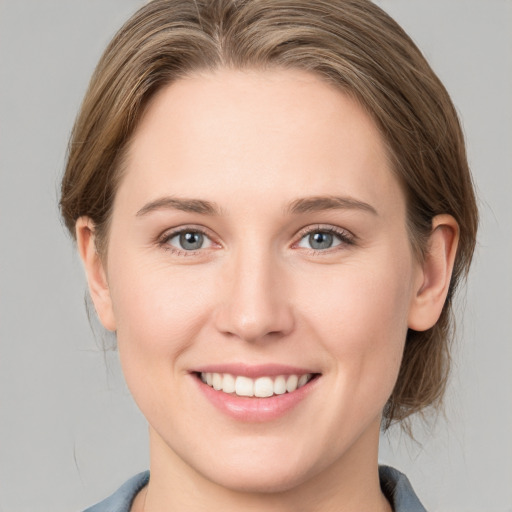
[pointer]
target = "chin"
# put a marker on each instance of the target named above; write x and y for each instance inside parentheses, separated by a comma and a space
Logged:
(258, 479)
(255, 464)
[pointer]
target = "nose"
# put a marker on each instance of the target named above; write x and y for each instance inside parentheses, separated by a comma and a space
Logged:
(255, 304)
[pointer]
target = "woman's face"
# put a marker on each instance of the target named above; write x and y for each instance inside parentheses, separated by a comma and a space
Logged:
(258, 235)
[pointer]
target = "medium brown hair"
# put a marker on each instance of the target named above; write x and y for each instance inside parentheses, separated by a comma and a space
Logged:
(350, 43)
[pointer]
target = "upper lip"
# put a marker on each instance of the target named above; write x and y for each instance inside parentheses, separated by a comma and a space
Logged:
(253, 371)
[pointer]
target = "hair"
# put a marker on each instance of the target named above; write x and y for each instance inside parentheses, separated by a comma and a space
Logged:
(352, 44)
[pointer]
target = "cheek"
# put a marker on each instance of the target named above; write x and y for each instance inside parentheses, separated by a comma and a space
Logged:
(159, 310)
(360, 316)
(361, 299)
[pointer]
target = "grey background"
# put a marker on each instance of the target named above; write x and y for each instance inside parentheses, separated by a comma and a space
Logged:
(69, 431)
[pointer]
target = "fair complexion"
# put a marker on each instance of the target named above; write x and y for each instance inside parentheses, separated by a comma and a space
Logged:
(259, 231)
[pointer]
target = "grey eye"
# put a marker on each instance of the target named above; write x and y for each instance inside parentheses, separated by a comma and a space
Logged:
(320, 240)
(189, 240)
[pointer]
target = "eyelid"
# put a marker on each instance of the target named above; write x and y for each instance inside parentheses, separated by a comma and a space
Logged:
(346, 237)
(163, 239)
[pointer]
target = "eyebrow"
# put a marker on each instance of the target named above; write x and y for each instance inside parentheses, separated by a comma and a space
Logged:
(182, 204)
(319, 203)
(298, 206)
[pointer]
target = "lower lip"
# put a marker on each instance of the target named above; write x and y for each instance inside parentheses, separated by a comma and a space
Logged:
(255, 410)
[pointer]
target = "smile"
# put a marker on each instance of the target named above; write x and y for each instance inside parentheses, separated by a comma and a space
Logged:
(255, 393)
(261, 387)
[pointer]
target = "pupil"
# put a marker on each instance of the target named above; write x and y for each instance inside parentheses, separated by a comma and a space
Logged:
(320, 240)
(191, 241)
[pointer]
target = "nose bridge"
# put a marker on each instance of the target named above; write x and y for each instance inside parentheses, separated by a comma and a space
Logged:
(255, 302)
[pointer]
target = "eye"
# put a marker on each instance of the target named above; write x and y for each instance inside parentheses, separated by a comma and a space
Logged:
(188, 240)
(321, 239)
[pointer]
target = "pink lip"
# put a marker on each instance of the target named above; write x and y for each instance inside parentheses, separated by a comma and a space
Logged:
(253, 371)
(254, 410)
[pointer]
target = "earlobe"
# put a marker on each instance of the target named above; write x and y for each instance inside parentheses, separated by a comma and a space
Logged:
(95, 272)
(435, 274)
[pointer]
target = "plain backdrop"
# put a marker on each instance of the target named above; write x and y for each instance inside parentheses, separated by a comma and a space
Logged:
(69, 431)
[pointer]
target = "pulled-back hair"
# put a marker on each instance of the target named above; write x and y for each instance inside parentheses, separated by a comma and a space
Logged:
(352, 44)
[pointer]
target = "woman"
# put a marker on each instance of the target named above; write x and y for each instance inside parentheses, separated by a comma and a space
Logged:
(273, 207)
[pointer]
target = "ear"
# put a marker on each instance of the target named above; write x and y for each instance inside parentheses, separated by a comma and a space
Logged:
(95, 271)
(435, 274)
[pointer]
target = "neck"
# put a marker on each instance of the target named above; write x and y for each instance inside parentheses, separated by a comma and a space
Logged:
(347, 485)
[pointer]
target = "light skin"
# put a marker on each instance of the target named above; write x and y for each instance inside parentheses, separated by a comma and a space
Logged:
(264, 164)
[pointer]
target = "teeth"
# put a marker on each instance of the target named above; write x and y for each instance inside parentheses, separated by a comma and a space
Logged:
(303, 379)
(262, 387)
(280, 385)
(217, 381)
(244, 386)
(291, 383)
(228, 383)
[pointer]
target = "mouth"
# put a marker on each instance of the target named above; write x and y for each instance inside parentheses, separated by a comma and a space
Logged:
(255, 393)
(260, 387)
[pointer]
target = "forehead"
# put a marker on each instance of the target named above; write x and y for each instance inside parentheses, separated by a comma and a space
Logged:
(275, 133)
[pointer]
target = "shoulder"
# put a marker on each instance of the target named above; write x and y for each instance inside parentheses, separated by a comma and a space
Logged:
(122, 499)
(398, 490)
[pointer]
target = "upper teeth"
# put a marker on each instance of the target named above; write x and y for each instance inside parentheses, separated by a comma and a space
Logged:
(261, 387)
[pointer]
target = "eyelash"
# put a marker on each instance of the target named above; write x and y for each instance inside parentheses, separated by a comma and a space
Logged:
(345, 237)
(163, 240)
